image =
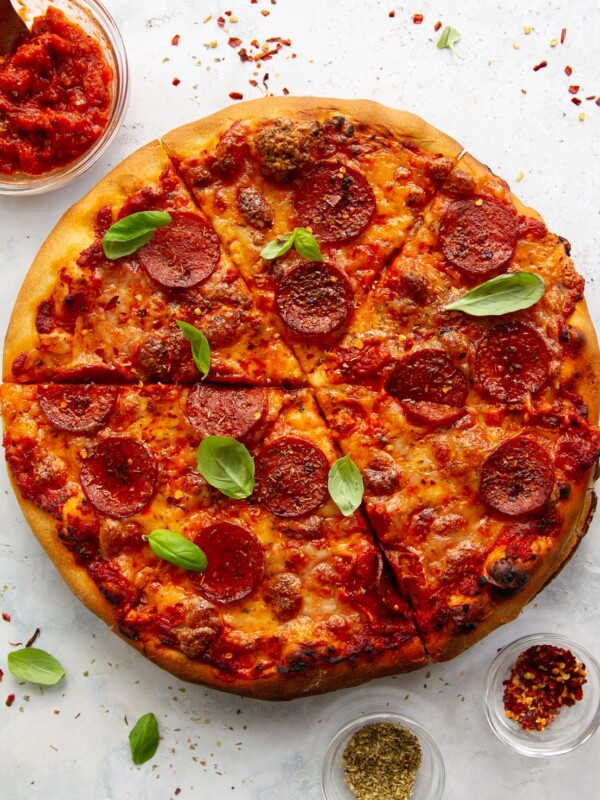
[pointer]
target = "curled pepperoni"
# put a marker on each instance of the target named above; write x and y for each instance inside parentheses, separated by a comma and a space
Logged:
(216, 411)
(235, 562)
(119, 477)
(432, 414)
(336, 202)
(314, 298)
(478, 234)
(291, 477)
(511, 361)
(77, 408)
(428, 376)
(182, 253)
(517, 477)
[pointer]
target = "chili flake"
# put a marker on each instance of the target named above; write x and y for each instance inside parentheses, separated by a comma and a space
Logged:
(541, 65)
(381, 761)
(417, 19)
(543, 679)
(5, 616)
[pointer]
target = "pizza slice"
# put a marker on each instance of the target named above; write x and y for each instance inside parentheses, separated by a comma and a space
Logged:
(294, 599)
(353, 173)
(475, 516)
(81, 316)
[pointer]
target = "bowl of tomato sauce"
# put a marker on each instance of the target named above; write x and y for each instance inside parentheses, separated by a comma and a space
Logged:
(63, 95)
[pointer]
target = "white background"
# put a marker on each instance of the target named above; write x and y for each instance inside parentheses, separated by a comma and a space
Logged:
(70, 741)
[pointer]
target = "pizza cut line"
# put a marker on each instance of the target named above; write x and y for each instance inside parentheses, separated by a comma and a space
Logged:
(474, 435)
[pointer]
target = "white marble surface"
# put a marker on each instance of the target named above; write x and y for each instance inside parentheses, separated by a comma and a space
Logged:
(70, 742)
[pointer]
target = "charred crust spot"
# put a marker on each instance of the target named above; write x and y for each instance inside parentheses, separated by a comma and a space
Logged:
(566, 244)
(507, 577)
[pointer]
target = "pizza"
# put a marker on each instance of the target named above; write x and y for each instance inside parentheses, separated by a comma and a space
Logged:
(472, 432)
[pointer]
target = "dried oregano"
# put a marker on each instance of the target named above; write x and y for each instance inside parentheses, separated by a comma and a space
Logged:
(381, 762)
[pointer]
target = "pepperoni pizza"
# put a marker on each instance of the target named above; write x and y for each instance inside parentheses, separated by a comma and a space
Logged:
(474, 435)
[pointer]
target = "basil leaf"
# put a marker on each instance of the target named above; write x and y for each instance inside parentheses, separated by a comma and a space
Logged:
(450, 36)
(346, 485)
(143, 739)
(501, 295)
(129, 234)
(306, 244)
(35, 666)
(279, 246)
(200, 346)
(301, 238)
(226, 464)
(175, 548)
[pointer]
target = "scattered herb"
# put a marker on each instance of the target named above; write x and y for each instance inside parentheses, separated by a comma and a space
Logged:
(450, 36)
(300, 238)
(132, 232)
(227, 465)
(346, 485)
(175, 548)
(501, 295)
(35, 666)
(143, 739)
(200, 346)
(543, 680)
(381, 761)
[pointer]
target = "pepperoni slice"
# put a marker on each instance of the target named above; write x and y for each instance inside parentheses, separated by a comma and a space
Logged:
(235, 562)
(336, 202)
(216, 411)
(432, 414)
(428, 376)
(314, 298)
(291, 477)
(517, 477)
(182, 253)
(77, 408)
(119, 477)
(478, 234)
(512, 360)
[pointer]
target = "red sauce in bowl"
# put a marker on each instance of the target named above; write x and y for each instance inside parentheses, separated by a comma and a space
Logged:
(55, 95)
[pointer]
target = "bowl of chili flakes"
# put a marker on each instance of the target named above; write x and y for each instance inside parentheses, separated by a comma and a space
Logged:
(63, 95)
(382, 755)
(542, 695)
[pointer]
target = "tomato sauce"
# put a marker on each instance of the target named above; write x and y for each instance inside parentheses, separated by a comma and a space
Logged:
(55, 93)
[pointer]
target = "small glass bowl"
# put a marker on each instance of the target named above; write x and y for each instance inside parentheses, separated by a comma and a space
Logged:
(97, 23)
(431, 776)
(572, 726)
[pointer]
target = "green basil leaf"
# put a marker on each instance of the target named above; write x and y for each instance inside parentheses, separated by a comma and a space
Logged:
(450, 36)
(200, 346)
(306, 244)
(143, 739)
(35, 666)
(175, 548)
(132, 232)
(279, 246)
(501, 295)
(226, 464)
(346, 485)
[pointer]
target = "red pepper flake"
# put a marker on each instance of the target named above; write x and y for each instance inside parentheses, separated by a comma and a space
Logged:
(576, 100)
(5, 616)
(228, 13)
(392, 14)
(591, 97)
(563, 35)
(1, 675)
(437, 25)
(175, 81)
(541, 65)
(253, 2)
(573, 89)
(255, 43)
(243, 54)
(543, 680)
(252, 82)
(285, 91)
(10, 700)
(417, 19)
(221, 22)
(175, 40)
(236, 95)
(568, 71)
(234, 41)
(598, 102)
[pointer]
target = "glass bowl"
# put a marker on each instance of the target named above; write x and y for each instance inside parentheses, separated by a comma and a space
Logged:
(572, 726)
(97, 23)
(430, 779)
